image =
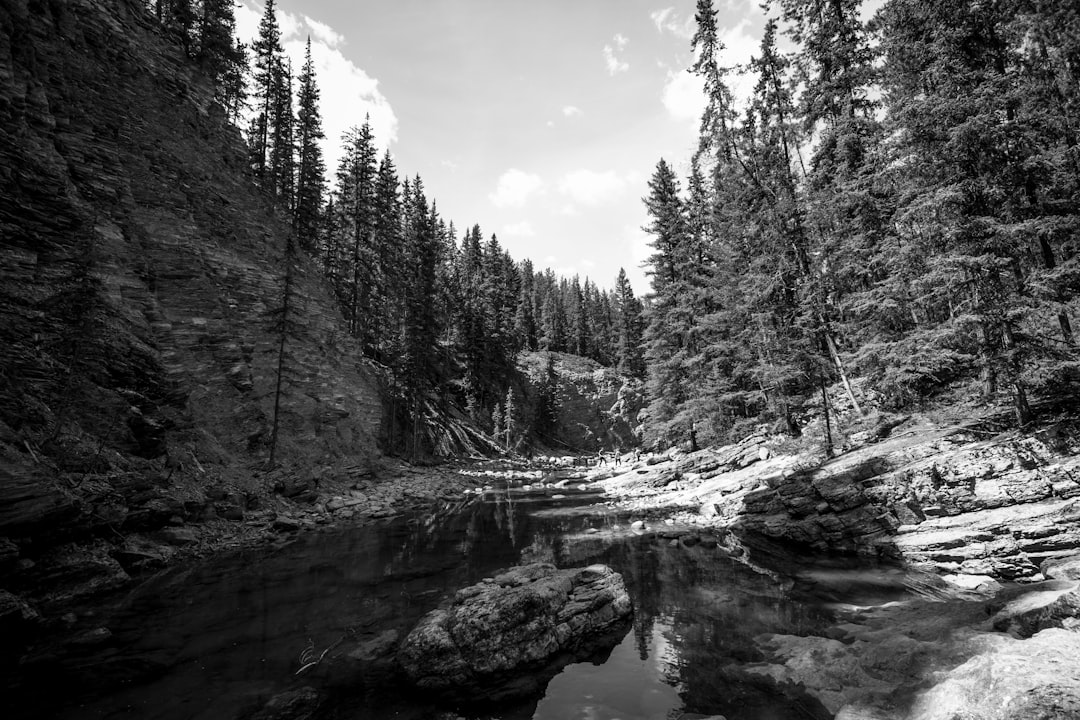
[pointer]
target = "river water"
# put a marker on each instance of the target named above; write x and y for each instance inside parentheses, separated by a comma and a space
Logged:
(218, 639)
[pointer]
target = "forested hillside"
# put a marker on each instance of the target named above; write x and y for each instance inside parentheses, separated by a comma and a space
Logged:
(444, 315)
(897, 201)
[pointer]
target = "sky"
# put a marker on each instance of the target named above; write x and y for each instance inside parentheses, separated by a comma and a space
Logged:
(539, 120)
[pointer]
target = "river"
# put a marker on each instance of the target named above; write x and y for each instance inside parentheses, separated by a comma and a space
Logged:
(217, 639)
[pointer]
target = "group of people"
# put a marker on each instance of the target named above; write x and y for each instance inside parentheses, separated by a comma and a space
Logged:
(614, 458)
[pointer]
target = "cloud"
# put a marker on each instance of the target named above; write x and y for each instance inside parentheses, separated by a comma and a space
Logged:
(324, 33)
(514, 188)
(571, 111)
(667, 20)
(683, 95)
(613, 63)
(519, 229)
(348, 93)
(589, 187)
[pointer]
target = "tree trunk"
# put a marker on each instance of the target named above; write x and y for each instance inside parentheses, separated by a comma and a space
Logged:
(843, 374)
(828, 422)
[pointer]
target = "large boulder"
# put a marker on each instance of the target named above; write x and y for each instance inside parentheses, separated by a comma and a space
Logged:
(501, 637)
(1033, 679)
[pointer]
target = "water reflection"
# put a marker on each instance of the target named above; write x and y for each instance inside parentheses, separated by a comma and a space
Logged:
(219, 639)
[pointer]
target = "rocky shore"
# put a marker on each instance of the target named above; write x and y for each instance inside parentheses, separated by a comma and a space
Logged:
(985, 525)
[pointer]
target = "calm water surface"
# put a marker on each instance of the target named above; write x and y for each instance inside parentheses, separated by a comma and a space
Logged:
(217, 640)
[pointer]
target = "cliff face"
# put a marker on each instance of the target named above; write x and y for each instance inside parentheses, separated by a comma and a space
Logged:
(596, 409)
(141, 281)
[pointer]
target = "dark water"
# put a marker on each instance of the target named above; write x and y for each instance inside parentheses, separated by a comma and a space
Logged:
(218, 639)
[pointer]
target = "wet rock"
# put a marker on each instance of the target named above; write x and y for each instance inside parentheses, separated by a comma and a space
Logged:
(72, 572)
(485, 643)
(299, 704)
(178, 536)
(141, 553)
(1066, 568)
(9, 552)
(1050, 604)
(17, 618)
(284, 523)
(1037, 679)
(91, 638)
(377, 648)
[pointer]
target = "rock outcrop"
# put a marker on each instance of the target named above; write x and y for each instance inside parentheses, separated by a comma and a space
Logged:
(950, 498)
(140, 274)
(1034, 678)
(596, 408)
(504, 637)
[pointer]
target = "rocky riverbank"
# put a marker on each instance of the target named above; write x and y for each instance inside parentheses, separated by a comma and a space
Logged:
(986, 525)
(961, 499)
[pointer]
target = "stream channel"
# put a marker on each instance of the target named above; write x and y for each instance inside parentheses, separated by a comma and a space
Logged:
(219, 638)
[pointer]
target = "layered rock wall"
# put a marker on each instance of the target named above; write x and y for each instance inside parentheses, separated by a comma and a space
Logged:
(141, 281)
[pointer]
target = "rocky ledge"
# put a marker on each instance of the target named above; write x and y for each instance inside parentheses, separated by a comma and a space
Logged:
(964, 500)
(503, 637)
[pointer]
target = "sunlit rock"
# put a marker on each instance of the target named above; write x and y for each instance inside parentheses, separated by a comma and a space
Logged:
(488, 641)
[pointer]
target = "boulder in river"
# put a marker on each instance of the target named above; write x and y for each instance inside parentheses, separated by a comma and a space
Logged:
(494, 639)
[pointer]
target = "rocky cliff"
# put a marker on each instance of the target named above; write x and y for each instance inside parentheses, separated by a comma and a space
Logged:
(595, 408)
(141, 281)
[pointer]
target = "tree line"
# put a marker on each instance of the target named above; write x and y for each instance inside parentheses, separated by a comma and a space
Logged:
(445, 315)
(897, 201)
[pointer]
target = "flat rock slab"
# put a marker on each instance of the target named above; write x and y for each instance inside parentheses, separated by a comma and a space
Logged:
(1010, 680)
(484, 643)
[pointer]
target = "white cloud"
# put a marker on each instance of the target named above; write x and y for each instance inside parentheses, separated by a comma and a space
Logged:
(348, 93)
(589, 187)
(613, 63)
(324, 33)
(684, 95)
(514, 188)
(571, 111)
(519, 229)
(667, 20)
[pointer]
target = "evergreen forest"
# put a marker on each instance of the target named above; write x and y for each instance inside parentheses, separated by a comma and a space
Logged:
(890, 217)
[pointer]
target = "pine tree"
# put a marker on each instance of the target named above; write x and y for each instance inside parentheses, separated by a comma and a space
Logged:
(667, 383)
(311, 169)
(281, 176)
(510, 419)
(267, 82)
(628, 309)
(219, 55)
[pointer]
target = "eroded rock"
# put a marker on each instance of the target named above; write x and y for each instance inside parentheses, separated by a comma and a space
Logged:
(488, 640)
(1034, 678)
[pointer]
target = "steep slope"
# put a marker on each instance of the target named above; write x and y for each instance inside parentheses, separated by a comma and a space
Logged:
(141, 282)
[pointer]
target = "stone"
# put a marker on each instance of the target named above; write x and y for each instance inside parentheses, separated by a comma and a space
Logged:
(299, 704)
(1065, 568)
(376, 648)
(283, 523)
(178, 536)
(491, 639)
(1043, 605)
(17, 618)
(1033, 679)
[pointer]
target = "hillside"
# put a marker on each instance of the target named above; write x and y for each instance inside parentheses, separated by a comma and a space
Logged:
(142, 280)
